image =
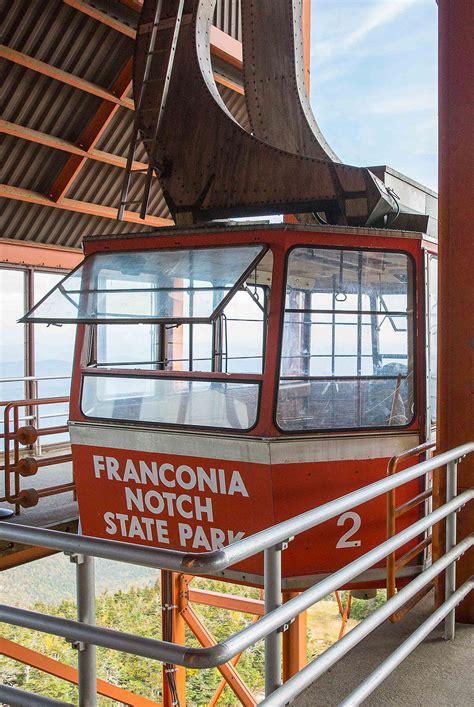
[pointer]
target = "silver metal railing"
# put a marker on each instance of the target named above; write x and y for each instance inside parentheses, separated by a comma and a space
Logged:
(272, 541)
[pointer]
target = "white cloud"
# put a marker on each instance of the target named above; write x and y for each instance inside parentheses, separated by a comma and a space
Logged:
(358, 26)
(413, 102)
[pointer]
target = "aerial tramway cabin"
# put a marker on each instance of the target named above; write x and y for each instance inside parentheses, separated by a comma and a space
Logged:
(229, 377)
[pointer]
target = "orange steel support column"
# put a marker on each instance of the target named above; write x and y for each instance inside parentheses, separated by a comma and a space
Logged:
(456, 301)
(294, 643)
(178, 601)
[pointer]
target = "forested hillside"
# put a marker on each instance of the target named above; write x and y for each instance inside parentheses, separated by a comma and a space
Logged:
(132, 603)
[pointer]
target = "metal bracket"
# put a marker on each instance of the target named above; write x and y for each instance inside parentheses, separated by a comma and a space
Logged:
(284, 544)
(75, 557)
(78, 645)
(286, 626)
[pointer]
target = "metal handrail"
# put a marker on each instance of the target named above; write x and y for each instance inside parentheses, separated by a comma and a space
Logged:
(18, 379)
(269, 540)
(219, 560)
(202, 658)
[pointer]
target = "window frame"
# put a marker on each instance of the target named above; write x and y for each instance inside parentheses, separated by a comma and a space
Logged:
(344, 430)
(249, 378)
(151, 320)
(88, 369)
(29, 337)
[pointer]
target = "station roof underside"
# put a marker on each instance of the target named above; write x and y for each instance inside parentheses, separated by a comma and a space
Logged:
(67, 116)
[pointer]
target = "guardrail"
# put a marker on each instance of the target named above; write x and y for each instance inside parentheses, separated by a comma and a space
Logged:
(17, 434)
(272, 541)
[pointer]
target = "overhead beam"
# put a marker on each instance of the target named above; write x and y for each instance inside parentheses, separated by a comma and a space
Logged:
(91, 134)
(226, 47)
(57, 143)
(83, 207)
(103, 17)
(133, 4)
(53, 72)
(222, 45)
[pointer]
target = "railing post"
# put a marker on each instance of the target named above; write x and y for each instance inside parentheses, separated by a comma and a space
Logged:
(272, 597)
(86, 656)
(450, 575)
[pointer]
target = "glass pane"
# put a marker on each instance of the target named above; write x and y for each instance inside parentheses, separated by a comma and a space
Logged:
(54, 348)
(327, 279)
(349, 315)
(147, 285)
(171, 401)
(343, 404)
(244, 332)
(12, 341)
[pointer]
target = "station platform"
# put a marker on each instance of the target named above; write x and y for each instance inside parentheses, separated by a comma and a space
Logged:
(436, 674)
(59, 512)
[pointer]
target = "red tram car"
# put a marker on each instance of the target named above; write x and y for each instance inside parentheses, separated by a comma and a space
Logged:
(229, 377)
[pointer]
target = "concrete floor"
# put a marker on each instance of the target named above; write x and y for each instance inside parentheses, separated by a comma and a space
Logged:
(436, 674)
(51, 510)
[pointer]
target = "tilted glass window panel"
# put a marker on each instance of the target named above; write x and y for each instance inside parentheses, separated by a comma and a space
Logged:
(148, 286)
(196, 403)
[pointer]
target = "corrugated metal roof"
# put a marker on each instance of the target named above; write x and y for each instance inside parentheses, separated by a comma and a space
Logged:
(55, 33)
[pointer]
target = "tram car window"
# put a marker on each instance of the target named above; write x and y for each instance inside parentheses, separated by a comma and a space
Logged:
(347, 358)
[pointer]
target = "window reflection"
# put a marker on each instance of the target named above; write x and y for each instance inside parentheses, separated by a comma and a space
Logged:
(200, 403)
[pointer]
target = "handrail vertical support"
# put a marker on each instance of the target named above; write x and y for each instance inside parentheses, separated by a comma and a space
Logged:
(86, 657)
(272, 597)
(450, 575)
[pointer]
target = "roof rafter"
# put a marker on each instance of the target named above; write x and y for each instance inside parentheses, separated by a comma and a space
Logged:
(102, 17)
(222, 45)
(57, 143)
(83, 207)
(91, 134)
(53, 72)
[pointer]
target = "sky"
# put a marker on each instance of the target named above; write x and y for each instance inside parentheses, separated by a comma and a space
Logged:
(374, 82)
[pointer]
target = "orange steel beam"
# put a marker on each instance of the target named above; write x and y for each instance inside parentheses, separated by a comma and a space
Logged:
(39, 254)
(222, 45)
(23, 556)
(294, 643)
(226, 47)
(92, 133)
(456, 256)
(53, 72)
(227, 601)
(102, 17)
(133, 4)
(179, 627)
(178, 601)
(68, 673)
(222, 685)
(57, 143)
(228, 83)
(228, 672)
(83, 207)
